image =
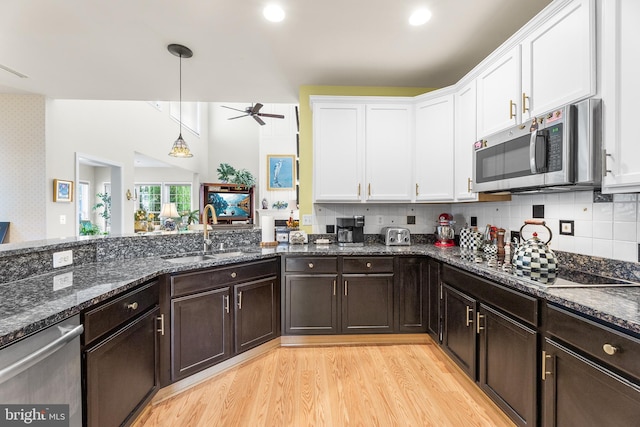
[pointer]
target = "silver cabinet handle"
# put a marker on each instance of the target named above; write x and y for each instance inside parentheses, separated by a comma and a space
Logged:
(310, 265)
(478, 327)
(226, 303)
(39, 355)
(133, 306)
(161, 320)
(610, 349)
(369, 265)
(346, 284)
(469, 318)
(605, 171)
(545, 356)
(240, 300)
(334, 287)
(234, 274)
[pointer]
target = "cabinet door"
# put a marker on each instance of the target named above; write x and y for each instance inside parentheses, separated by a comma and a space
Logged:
(367, 303)
(578, 392)
(620, 66)
(256, 313)
(412, 298)
(465, 136)
(499, 93)
(338, 152)
(507, 364)
(201, 331)
(311, 304)
(122, 372)
(389, 146)
(434, 149)
(433, 284)
(558, 60)
(458, 328)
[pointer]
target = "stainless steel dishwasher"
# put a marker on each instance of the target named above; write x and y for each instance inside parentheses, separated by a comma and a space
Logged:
(41, 374)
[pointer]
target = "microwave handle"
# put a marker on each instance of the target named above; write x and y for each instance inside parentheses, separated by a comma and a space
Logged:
(537, 152)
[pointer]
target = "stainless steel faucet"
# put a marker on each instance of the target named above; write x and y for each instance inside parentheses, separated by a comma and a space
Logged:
(207, 241)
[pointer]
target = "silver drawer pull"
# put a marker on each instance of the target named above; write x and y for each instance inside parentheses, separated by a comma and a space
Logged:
(132, 306)
(609, 349)
(234, 274)
(310, 265)
(369, 265)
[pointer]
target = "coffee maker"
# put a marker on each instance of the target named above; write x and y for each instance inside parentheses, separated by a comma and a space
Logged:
(350, 231)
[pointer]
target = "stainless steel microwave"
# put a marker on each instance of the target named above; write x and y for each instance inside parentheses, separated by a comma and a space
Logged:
(558, 150)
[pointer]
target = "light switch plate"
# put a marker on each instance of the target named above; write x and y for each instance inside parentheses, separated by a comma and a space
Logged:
(307, 219)
(62, 281)
(60, 259)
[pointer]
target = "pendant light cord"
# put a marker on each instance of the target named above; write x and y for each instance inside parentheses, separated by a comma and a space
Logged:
(180, 105)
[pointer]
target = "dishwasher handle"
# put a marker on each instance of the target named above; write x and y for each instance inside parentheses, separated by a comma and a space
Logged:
(37, 356)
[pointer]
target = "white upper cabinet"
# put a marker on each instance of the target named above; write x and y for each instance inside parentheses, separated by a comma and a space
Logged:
(388, 147)
(620, 70)
(558, 60)
(338, 152)
(465, 136)
(434, 142)
(499, 89)
(553, 64)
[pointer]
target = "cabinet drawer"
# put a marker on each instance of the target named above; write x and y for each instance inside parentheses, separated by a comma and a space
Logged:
(591, 338)
(517, 304)
(189, 283)
(311, 265)
(106, 317)
(369, 264)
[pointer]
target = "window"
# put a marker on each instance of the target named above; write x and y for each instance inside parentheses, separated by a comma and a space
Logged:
(150, 198)
(180, 194)
(84, 201)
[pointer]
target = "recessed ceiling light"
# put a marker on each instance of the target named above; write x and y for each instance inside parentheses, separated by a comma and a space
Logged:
(419, 17)
(273, 13)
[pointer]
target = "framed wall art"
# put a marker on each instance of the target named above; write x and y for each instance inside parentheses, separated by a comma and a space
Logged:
(62, 190)
(281, 172)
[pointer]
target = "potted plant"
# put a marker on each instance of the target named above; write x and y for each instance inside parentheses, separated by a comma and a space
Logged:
(105, 205)
(140, 220)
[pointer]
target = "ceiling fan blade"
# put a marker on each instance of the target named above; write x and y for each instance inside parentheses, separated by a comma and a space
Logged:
(275, 116)
(237, 117)
(259, 120)
(235, 109)
(256, 108)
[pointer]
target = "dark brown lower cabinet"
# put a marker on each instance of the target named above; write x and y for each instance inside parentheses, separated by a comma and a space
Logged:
(367, 303)
(434, 315)
(311, 304)
(579, 392)
(411, 293)
(122, 373)
(201, 331)
(458, 328)
(256, 313)
(507, 364)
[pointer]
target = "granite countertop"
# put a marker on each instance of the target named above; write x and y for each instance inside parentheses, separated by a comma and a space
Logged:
(31, 304)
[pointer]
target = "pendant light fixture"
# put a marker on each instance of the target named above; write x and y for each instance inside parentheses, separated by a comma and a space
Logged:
(180, 147)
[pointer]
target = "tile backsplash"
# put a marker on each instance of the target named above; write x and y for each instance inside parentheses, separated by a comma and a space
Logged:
(603, 229)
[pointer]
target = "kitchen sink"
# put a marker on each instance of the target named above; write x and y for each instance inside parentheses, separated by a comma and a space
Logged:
(181, 259)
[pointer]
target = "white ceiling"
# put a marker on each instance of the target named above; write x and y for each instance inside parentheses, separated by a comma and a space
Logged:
(116, 49)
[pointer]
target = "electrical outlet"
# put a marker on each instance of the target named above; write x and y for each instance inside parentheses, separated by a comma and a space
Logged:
(60, 259)
(411, 219)
(62, 281)
(63, 219)
(307, 219)
(379, 219)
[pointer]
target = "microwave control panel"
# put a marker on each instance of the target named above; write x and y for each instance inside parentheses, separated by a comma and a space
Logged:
(554, 147)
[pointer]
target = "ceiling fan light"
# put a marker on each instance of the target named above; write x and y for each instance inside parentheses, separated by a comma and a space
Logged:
(419, 17)
(180, 148)
(273, 13)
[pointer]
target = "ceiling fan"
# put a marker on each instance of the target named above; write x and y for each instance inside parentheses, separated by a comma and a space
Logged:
(254, 111)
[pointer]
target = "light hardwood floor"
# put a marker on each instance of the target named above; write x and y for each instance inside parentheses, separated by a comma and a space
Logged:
(365, 385)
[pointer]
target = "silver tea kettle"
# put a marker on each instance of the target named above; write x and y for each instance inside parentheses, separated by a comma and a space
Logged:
(533, 258)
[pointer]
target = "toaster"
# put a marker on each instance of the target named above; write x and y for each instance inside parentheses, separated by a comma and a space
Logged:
(396, 236)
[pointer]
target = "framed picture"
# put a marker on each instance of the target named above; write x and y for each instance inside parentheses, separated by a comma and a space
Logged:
(62, 190)
(281, 172)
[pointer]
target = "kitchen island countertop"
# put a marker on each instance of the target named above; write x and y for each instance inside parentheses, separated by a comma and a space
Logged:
(31, 304)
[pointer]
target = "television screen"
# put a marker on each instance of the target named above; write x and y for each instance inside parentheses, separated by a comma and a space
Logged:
(231, 205)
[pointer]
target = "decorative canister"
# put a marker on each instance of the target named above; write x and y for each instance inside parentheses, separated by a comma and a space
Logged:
(476, 240)
(465, 237)
(534, 259)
